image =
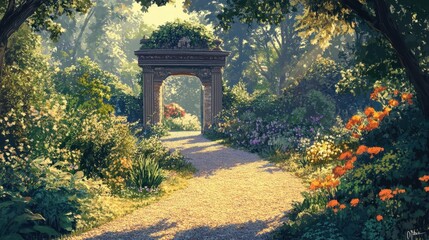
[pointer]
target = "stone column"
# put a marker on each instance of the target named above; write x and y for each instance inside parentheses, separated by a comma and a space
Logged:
(216, 92)
(158, 110)
(207, 103)
(148, 95)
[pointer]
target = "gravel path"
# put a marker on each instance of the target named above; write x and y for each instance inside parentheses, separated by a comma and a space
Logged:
(235, 195)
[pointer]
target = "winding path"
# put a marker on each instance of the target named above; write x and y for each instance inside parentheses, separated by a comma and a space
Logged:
(234, 195)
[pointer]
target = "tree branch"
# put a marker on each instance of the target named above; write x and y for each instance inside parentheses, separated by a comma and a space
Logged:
(359, 9)
(10, 6)
(11, 22)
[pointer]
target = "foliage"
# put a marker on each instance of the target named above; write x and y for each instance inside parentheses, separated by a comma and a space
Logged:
(324, 19)
(40, 16)
(56, 194)
(89, 87)
(186, 123)
(145, 173)
(25, 79)
(382, 193)
(168, 36)
(173, 110)
(107, 146)
(153, 148)
(17, 221)
(266, 123)
(155, 130)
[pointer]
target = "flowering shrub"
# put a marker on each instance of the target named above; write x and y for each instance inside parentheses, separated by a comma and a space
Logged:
(381, 191)
(173, 110)
(323, 151)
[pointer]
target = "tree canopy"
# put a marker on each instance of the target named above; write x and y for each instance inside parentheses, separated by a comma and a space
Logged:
(402, 24)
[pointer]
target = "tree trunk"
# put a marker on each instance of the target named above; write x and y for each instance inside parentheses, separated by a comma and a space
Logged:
(415, 74)
(383, 23)
(79, 38)
(3, 46)
(12, 20)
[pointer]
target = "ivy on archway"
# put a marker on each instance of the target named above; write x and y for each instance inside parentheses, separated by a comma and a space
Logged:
(168, 36)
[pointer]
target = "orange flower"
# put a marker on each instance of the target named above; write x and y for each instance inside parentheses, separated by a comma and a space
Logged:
(333, 203)
(396, 92)
(361, 127)
(385, 194)
(406, 96)
(355, 135)
(349, 165)
(379, 217)
(426, 189)
(393, 103)
(338, 171)
(379, 115)
(315, 184)
(345, 155)
(375, 150)
(354, 202)
(361, 149)
(377, 90)
(424, 178)
(369, 111)
(372, 125)
(333, 183)
(356, 119)
(398, 191)
(342, 206)
(386, 111)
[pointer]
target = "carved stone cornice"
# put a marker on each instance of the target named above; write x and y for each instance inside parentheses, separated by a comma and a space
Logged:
(181, 57)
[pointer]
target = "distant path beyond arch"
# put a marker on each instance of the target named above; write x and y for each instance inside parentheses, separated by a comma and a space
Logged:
(235, 195)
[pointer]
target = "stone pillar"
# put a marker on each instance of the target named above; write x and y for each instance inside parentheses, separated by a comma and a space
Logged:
(216, 92)
(148, 96)
(207, 103)
(158, 110)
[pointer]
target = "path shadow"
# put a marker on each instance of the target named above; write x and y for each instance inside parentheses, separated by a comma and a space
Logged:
(206, 155)
(246, 231)
(271, 168)
(222, 157)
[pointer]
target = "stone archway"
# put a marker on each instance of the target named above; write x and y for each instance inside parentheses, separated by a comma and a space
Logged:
(158, 64)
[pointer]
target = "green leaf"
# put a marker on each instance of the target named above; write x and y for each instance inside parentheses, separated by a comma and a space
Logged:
(13, 236)
(46, 230)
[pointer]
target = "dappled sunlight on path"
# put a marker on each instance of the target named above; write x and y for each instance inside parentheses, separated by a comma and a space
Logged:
(207, 156)
(235, 195)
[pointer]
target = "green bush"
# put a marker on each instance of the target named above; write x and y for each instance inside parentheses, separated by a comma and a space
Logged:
(153, 148)
(145, 173)
(168, 36)
(17, 221)
(186, 123)
(107, 146)
(154, 130)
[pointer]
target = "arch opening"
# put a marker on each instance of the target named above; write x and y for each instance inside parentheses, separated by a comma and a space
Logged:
(186, 91)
